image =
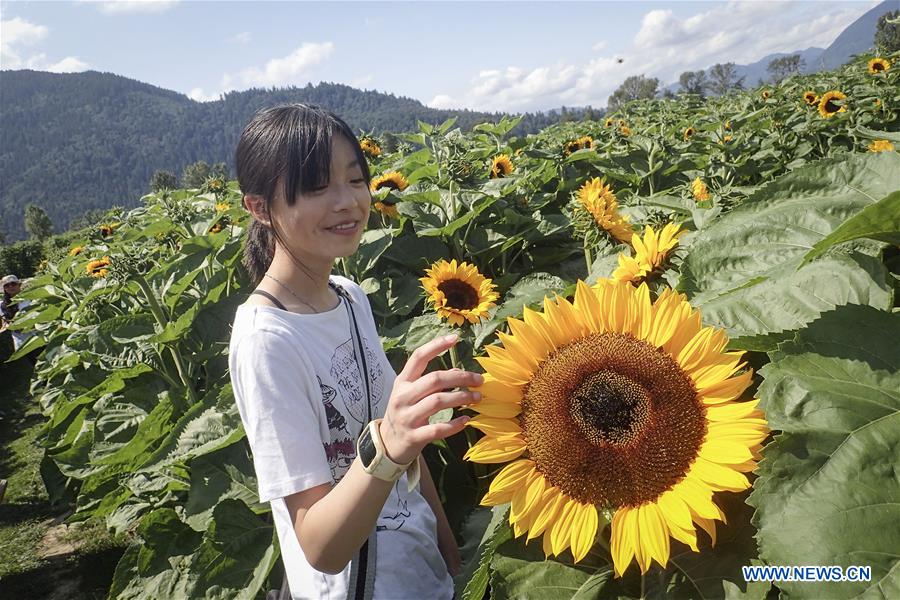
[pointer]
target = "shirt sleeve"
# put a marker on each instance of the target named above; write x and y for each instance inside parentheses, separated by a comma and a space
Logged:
(276, 393)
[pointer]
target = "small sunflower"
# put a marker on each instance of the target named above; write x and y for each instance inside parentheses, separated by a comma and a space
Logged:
(222, 206)
(625, 130)
(388, 209)
(393, 180)
(106, 229)
(370, 147)
(879, 65)
(725, 140)
(810, 98)
(881, 146)
(727, 124)
(827, 105)
(598, 199)
(501, 166)
(688, 133)
(877, 102)
(615, 404)
(608, 123)
(76, 250)
(98, 268)
(765, 94)
(651, 253)
(458, 292)
(585, 142)
(699, 190)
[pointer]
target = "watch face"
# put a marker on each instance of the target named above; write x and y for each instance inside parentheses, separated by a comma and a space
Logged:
(366, 447)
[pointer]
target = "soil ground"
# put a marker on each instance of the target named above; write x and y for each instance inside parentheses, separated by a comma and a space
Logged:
(41, 557)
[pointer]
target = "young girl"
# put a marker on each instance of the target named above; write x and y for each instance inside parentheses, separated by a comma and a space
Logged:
(313, 385)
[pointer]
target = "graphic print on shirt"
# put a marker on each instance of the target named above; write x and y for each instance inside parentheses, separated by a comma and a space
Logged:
(396, 519)
(348, 376)
(340, 449)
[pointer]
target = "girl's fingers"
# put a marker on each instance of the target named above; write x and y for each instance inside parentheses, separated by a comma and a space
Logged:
(437, 381)
(439, 431)
(436, 402)
(422, 355)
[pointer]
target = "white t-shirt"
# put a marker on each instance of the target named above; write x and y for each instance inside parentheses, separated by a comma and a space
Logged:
(300, 395)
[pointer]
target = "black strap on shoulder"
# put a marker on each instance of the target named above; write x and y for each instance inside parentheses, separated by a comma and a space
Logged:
(270, 297)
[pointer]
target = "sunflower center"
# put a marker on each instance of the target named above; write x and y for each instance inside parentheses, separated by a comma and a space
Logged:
(831, 107)
(610, 408)
(460, 295)
(611, 420)
(390, 184)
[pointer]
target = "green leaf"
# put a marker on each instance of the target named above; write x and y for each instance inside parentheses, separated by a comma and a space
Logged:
(529, 291)
(483, 532)
(879, 221)
(784, 219)
(372, 245)
(872, 134)
(827, 492)
(786, 298)
(224, 474)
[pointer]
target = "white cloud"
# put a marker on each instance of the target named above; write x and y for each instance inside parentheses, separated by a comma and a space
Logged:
(289, 70)
(362, 81)
(117, 7)
(664, 46)
(69, 64)
(199, 95)
(601, 45)
(242, 38)
(18, 33)
(15, 33)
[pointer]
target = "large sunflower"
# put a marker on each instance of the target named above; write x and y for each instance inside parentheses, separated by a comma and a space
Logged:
(598, 199)
(501, 166)
(615, 405)
(458, 292)
(828, 108)
(879, 65)
(393, 180)
(650, 255)
(810, 98)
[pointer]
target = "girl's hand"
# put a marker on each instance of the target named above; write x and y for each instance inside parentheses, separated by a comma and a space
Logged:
(415, 397)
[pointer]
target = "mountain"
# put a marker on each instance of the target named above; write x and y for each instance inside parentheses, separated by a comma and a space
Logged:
(857, 38)
(72, 142)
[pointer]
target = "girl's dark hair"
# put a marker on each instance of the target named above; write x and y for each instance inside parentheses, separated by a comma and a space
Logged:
(289, 144)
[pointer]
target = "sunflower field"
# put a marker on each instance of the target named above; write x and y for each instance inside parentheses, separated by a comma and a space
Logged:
(685, 312)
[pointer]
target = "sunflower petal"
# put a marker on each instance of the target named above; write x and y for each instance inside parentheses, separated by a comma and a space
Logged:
(494, 426)
(496, 450)
(718, 477)
(623, 539)
(507, 481)
(654, 534)
(560, 533)
(584, 529)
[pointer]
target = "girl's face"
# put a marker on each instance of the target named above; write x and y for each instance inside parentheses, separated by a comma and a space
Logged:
(327, 223)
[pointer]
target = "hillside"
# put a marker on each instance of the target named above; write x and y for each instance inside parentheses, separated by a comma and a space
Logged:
(78, 141)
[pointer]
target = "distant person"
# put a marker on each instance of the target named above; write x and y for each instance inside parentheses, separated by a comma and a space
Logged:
(9, 308)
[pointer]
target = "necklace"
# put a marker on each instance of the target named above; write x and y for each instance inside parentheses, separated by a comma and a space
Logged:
(314, 309)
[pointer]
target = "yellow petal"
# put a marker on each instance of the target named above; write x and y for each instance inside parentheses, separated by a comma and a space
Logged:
(496, 450)
(674, 510)
(523, 504)
(725, 452)
(584, 529)
(496, 408)
(725, 390)
(623, 538)
(588, 305)
(494, 426)
(697, 496)
(710, 526)
(641, 322)
(518, 351)
(732, 411)
(718, 477)
(530, 339)
(503, 368)
(560, 533)
(493, 389)
(507, 481)
(551, 504)
(654, 534)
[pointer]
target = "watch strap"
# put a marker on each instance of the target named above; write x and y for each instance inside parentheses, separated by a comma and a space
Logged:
(381, 466)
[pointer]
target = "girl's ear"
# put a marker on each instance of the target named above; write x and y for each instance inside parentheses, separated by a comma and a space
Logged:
(256, 206)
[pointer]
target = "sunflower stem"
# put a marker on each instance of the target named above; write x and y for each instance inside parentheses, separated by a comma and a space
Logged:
(587, 256)
(643, 587)
(454, 357)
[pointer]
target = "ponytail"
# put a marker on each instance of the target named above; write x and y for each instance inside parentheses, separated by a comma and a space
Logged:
(259, 250)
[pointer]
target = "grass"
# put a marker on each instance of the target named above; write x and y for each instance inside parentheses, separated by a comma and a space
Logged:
(86, 554)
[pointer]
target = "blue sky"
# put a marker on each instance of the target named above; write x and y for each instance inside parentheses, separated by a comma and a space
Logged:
(497, 56)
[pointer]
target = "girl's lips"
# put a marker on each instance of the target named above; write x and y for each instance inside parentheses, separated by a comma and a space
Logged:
(345, 230)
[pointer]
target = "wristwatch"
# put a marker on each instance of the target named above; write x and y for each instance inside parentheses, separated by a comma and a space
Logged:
(375, 461)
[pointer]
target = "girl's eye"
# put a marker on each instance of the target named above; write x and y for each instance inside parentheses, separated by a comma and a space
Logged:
(357, 181)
